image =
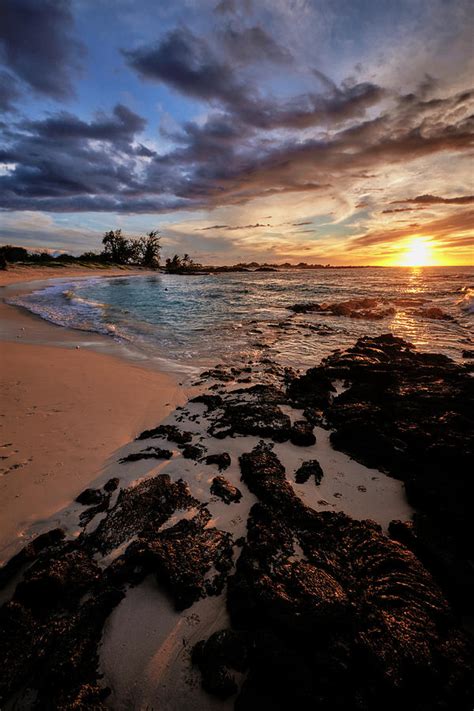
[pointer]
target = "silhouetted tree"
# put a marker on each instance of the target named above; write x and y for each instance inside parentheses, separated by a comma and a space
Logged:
(181, 265)
(149, 249)
(118, 248)
(13, 254)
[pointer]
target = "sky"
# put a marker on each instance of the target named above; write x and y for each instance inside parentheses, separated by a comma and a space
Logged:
(324, 131)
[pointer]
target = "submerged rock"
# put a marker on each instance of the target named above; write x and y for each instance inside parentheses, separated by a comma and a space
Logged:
(434, 313)
(371, 309)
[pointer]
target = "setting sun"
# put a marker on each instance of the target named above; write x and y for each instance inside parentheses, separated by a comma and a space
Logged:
(418, 253)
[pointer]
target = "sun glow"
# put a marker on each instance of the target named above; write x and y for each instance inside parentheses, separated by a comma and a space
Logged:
(419, 253)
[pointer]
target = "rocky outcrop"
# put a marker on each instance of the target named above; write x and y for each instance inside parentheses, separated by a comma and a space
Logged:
(302, 434)
(371, 309)
(222, 460)
(169, 432)
(309, 469)
(147, 453)
(251, 418)
(224, 490)
(357, 623)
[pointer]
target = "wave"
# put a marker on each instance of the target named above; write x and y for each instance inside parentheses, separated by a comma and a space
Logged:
(466, 302)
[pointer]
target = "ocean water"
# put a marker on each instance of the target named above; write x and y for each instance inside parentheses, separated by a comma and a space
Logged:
(203, 320)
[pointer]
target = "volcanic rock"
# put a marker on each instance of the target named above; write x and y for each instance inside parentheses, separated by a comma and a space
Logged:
(225, 491)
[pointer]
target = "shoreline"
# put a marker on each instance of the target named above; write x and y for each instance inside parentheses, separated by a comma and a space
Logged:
(70, 400)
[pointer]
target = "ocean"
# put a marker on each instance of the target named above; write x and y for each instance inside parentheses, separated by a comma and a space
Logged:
(237, 317)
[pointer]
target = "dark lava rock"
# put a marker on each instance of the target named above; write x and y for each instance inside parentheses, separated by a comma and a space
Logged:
(225, 491)
(223, 651)
(411, 414)
(249, 418)
(468, 354)
(311, 468)
(354, 308)
(434, 313)
(264, 475)
(53, 658)
(149, 503)
(148, 453)
(263, 394)
(183, 556)
(58, 579)
(212, 402)
(29, 553)
(169, 432)
(313, 389)
(302, 434)
(89, 497)
(217, 374)
(357, 624)
(222, 460)
(439, 550)
(192, 451)
(111, 484)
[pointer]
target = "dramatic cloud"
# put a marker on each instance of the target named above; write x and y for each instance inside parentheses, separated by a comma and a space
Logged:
(227, 111)
(232, 228)
(435, 200)
(188, 64)
(38, 45)
(253, 44)
(447, 228)
(9, 92)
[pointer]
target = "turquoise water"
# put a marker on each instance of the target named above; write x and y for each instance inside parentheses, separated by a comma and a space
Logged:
(238, 316)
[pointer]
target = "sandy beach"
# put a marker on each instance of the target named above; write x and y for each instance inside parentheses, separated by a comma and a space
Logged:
(239, 500)
(65, 410)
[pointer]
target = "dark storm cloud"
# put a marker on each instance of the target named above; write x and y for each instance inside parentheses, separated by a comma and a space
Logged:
(37, 44)
(63, 163)
(436, 200)
(253, 44)
(9, 92)
(186, 62)
(122, 126)
(189, 65)
(66, 163)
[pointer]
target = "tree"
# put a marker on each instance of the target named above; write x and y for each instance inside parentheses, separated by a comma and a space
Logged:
(13, 254)
(118, 248)
(149, 248)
